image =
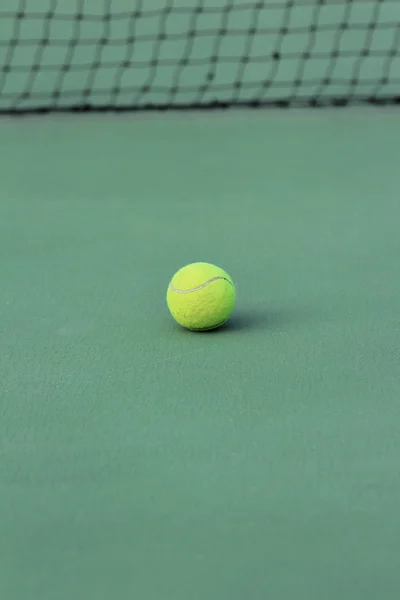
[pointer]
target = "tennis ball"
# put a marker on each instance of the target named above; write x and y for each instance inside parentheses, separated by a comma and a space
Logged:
(201, 296)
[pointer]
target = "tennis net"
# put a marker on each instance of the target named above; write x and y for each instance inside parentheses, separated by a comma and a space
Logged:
(165, 54)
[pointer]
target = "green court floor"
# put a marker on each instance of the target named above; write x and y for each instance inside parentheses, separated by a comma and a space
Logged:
(141, 461)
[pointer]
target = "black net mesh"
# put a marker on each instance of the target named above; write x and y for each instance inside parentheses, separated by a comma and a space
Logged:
(142, 54)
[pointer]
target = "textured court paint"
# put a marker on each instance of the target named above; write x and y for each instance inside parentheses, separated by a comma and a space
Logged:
(258, 462)
(199, 287)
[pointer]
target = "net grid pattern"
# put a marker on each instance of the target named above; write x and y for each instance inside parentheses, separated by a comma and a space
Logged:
(121, 55)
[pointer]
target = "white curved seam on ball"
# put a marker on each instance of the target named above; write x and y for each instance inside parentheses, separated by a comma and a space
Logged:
(200, 287)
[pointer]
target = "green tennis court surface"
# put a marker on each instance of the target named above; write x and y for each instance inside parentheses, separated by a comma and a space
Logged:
(139, 460)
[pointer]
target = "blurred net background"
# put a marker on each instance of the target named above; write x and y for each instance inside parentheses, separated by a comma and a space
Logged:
(142, 54)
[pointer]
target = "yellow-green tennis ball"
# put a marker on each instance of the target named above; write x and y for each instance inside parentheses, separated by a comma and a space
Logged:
(201, 296)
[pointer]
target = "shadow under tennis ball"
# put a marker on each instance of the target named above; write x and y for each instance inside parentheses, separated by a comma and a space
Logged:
(268, 319)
